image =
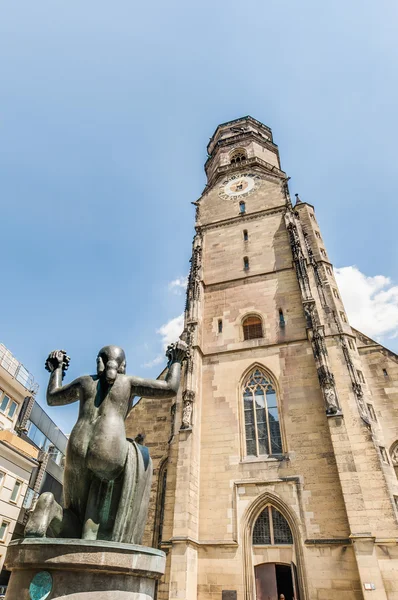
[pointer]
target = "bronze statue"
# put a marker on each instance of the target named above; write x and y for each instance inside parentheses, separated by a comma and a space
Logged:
(107, 477)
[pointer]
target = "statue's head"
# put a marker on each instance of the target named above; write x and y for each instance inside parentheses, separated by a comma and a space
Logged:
(111, 360)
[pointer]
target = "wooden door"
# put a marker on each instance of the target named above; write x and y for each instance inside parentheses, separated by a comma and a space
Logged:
(295, 582)
(265, 575)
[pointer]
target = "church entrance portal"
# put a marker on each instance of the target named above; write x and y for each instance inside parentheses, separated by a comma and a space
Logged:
(273, 579)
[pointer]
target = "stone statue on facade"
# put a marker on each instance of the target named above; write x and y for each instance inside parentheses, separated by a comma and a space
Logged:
(107, 478)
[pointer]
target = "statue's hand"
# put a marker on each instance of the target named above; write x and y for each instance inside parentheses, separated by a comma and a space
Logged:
(177, 352)
(56, 359)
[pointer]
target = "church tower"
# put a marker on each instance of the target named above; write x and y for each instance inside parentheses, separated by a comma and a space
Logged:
(274, 473)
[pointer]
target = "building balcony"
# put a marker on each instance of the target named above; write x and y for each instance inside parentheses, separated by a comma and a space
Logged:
(10, 439)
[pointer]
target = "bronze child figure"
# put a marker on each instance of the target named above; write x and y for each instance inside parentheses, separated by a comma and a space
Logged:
(107, 477)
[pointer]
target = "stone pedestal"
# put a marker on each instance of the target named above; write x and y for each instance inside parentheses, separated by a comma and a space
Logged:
(66, 569)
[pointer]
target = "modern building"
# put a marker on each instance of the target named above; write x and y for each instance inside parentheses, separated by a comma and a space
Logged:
(32, 451)
(18, 458)
(275, 467)
(36, 427)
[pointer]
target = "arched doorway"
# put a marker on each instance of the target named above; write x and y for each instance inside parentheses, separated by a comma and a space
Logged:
(274, 580)
(274, 557)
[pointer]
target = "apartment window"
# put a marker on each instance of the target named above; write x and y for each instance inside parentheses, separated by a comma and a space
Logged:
(37, 436)
(245, 235)
(351, 344)
(384, 456)
(281, 318)
(245, 263)
(242, 207)
(360, 376)
(252, 328)
(4, 530)
(318, 235)
(16, 491)
(343, 317)
(262, 429)
(371, 411)
(335, 294)
(55, 454)
(219, 325)
(385, 373)
(8, 407)
(271, 528)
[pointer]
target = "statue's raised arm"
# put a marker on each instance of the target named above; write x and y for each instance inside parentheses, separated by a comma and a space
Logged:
(163, 388)
(57, 364)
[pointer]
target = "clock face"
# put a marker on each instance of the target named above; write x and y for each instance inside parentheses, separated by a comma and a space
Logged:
(238, 185)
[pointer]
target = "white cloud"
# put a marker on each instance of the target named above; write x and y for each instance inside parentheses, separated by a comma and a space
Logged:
(156, 361)
(371, 302)
(170, 333)
(171, 330)
(179, 285)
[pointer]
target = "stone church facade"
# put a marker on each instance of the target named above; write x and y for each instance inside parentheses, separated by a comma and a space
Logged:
(276, 466)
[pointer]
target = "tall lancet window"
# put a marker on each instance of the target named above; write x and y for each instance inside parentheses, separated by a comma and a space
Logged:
(262, 429)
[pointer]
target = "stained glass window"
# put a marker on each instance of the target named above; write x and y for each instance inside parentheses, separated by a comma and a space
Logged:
(271, 528)
(262, 428)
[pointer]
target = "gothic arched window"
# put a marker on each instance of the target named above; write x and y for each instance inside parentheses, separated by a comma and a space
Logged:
(252, 326)
(262, 429)
(394, 457)
(238, 156)
(271, 528)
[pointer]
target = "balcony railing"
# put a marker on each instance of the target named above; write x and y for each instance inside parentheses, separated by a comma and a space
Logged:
(16, 369)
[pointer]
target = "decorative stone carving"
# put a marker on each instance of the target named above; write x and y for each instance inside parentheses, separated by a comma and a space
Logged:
(188, 398)
(193, 288)
(326, 380)
(318, 343)
(394, 455)
(310, 314)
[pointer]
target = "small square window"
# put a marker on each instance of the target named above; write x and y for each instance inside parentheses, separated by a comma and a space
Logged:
(16, 491)
(343, 317)
(219, 325)
(245, 235)
(329, 271)
(312, 216)
(351, 344)
(318, 235)
(323, 252)
(385, 373)
(242, 207)
(246, 263)
(384, 456)
(371, 411)
(3, 530)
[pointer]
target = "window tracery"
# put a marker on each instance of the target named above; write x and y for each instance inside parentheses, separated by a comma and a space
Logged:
(262, 427)
(238, 156)
(271, 528)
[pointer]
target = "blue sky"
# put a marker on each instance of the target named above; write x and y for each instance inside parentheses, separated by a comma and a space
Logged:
(105, 112)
